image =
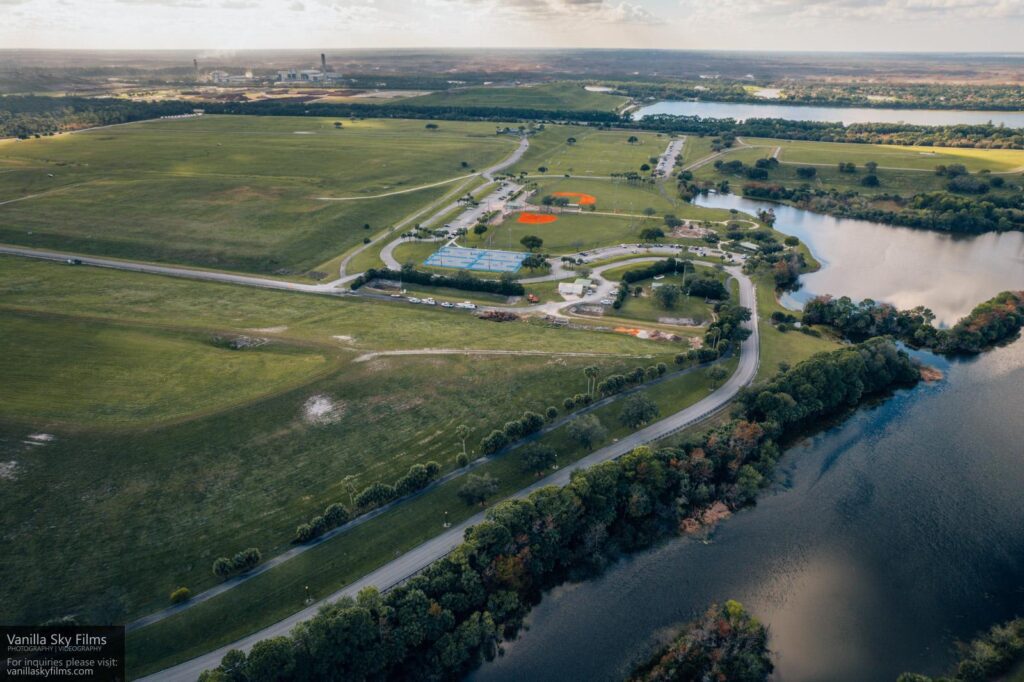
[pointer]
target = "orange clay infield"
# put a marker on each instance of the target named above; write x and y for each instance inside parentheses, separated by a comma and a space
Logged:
(584, 199)
(536, 218)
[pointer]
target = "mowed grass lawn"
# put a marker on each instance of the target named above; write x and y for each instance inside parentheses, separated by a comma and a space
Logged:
(645, 307)
(547, 96)
(67, 371)
(232, 192)
(595, 152)
(145, 502)
(894, 156)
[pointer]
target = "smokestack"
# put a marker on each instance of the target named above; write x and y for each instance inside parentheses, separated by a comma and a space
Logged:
(323, 61)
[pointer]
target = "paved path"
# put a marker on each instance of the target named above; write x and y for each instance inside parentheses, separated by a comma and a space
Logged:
(667, 161)
(174, 271)
(414, 561)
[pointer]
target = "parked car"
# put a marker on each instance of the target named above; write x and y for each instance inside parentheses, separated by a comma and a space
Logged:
(606, 301)
(413, 299)
(447, 304)
(429, 301)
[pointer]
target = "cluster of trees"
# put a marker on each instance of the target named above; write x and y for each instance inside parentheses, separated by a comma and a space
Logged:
(726, 643)
(962, 211)
(418, 477)
(996, 320)
(443, 622)
(617, 383)
(662, 267)
(334, 515)
(463, 281)
(727, 331)
(759, 171)
(985, 659)
(529, 423)
(26, 116)
(224, 567)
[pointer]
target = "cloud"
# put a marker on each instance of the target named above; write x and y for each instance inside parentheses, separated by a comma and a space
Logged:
(239, 4)
(297, 7)
(815, 11)
(599, 11)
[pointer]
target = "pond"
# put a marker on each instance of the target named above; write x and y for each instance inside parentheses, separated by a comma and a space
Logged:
(900, 265)
(846, 115)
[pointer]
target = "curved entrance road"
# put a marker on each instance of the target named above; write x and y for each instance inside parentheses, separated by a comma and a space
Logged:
(414, 561)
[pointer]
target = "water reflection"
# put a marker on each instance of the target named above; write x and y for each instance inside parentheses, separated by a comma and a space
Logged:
(847, 115)
(903, 266)
(886, 539)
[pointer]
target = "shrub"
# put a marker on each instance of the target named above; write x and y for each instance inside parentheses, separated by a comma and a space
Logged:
(335, 515)
(551, 413)
(181, 595)
(461, 460)
(246, 559)
(222, 567)
(477, 489)
(375, 495)
(493, 442)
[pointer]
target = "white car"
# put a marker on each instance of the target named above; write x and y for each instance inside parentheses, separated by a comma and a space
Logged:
(466, 305)
(413, 299)
(606, 301)
(396, 296)
(429, 301)
(447, 304)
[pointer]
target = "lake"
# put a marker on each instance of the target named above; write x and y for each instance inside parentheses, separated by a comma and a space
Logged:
(847, 115)
(884, 539)
(900, 265)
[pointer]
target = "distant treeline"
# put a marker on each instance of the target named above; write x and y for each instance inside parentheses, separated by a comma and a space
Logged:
(442, 623)
(30, 115)
(992, 322)
(985, 136)
(877, 95)
(987, 658)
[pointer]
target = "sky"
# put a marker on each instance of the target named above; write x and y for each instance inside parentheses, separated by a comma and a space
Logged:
(843, 25)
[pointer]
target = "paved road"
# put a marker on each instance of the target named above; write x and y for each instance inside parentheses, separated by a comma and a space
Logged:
(331, 288)
(414, 561)
(668, 160)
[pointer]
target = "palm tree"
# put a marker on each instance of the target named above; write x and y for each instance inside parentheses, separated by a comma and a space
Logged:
(591, 373)
(462, 433)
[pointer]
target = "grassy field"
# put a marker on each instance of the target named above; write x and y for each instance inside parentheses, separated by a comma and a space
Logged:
(548, 96)
(67, 372)
(228, 192)
(644, 308)
(892, 156)
(902, 170)
(595, 152)
(228, 448)
(330, 566)
(790, 347)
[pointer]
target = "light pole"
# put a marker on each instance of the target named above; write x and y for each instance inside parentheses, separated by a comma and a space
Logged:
(447, 523)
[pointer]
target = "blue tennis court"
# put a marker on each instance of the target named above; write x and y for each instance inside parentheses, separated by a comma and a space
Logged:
(476, 259)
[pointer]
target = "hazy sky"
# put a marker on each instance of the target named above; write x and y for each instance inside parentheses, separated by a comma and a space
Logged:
(891, 25)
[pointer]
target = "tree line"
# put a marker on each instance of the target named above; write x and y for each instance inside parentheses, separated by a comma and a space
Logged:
(443, 622)
(987, 658)
(32, 115)
(992, 322)
(462, 281)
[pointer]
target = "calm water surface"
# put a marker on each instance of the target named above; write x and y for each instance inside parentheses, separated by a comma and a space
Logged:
(899, 265)
(884, 540)
(846, 115)
(887, 539)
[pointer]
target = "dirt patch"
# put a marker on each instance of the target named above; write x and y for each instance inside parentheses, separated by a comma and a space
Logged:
(930, 374)
(8, 471)
(269, 330)
(536, 218)
(581, 198)
(238, 195)
(344, 338)
(689, 231)
(679, 321)
(321, 409)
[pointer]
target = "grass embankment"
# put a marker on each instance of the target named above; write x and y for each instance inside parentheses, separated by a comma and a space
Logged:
(238, 193)
(645, 308)
(594, 152)
(547, 96)
(168, 434)
(278, 593)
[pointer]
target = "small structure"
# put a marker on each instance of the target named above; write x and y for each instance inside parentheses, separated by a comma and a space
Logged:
(570, 289)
